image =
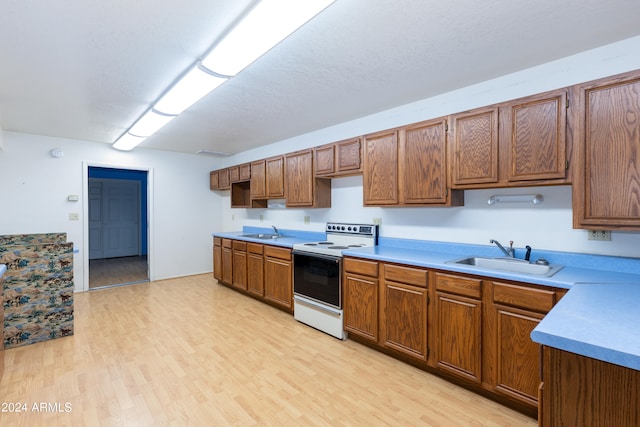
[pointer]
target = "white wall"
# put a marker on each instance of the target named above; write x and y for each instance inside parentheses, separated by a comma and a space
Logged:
(34, 187)
(545, 227)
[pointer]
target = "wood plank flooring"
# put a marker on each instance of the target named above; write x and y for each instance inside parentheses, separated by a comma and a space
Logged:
(117, 271)
(189, 351)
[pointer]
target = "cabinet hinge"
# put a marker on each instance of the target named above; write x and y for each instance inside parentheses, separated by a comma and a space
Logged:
(446, 125)
(566, 164)
(428, 352)
(428, 300)
(567, 102)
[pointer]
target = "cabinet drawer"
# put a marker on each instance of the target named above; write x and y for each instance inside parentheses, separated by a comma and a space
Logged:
(359, 266)
(540, 300)
(274, 252)
(255, 248)
(408, 275)
(239, 245)
(226, 243)
(459, 285)
(217, 241)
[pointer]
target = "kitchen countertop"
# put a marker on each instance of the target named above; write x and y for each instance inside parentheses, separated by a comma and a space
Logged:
(597, 318)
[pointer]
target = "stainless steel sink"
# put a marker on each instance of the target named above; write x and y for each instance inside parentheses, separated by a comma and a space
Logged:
(264, 236)
(509, 264)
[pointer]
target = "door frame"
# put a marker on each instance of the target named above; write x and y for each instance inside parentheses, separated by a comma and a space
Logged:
(85, 216)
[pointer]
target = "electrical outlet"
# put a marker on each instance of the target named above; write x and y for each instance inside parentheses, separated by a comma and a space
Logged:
(377, 221)
(307, 219)
(74, 216)
(261, 218)
(599, 235)
(233, 217)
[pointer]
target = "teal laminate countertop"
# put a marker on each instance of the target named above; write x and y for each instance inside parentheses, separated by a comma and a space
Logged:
(597, 318)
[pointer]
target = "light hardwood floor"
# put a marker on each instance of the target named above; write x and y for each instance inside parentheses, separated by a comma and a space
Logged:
(191, 352)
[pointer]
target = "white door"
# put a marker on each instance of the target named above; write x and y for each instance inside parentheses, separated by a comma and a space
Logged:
(114, 218)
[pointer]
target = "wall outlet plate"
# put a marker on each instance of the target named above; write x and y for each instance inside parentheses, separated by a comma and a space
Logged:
(74, 216)
(261, 218)
(603, 235)
(307, 219)
(377, 221)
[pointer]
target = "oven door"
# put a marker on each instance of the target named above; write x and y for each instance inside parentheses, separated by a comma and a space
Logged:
(318, 277)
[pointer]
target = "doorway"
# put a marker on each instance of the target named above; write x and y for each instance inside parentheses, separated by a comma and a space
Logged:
(117, 226)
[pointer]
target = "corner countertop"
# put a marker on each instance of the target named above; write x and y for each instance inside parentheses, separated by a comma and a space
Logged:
(597, 318)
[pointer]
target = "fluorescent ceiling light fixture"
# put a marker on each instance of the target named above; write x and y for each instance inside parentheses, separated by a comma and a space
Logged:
(536, 199)
(127, 142)
(266, 25)
(150, 123)
(192, 87)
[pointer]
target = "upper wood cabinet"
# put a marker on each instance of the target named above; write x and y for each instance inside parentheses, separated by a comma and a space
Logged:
(240, 173)
(516, 143)
(338, 159)
(408, 166)
(606, 192)
(275, 177)
(302, 189)
(267, 181)
(258, 180)
(219, 179)
(423, 167)
(380, 172)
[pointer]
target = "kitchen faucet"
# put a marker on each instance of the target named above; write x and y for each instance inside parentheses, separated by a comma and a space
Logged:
(275, 229)
(508, 252)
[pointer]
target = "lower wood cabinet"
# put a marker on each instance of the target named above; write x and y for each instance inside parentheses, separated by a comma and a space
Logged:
(404, 310)
(217, 258)
(360, 287)
(227, 261)
(255, 269)
(278, 277)
(458, 326)
(239, 265)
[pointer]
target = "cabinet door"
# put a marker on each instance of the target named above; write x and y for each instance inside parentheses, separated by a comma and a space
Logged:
(240, 266)
(361, 306)
(298, 172)
(224, 182)
(324, 160)
(275, 178)
(423, 163)
(245, 172)
(474, 147)
(217, 262)
(278, 282)
(458, 325)
(380, 174)
(227, 265)
(607, 193)
(348, 156)
(213, 180)
(255, 274)
(405, 319)
(534, 130)
(234, 174)
(258, 180)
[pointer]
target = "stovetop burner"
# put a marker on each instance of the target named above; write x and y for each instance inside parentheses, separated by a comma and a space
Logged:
(341, 237)
(338, 247)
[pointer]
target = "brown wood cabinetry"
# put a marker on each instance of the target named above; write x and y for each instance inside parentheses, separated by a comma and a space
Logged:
(302, 189)
(239, 264)
(361, 298)
(217, 258)
(274, 177)
(516, 143)
(380, 172)
(338, 159)
(258, 180)
(255, 269)
(458, 325)
(219, 180)
(513, 360)
(404, 310)
(227, 261)
(408, 167)
(213, 180)
(606, 192)
(423, 167)
(278, 277)
(581, 391)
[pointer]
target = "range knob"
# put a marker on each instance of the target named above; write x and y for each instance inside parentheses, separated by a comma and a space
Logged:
(349, 228)
(343, 228)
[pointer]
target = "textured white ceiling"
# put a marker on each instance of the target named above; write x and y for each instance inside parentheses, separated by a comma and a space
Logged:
(87, 69)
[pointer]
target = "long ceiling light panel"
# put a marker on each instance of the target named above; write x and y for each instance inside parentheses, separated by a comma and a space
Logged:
(266, 25)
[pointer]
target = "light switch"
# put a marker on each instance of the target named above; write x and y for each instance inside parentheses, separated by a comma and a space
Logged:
(74, 216)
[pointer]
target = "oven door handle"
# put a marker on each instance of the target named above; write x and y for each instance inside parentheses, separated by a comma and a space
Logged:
(317, 306)
(312, 254)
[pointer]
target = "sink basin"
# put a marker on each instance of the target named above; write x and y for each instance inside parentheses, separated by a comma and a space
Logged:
(264, 236)
(509, 264)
